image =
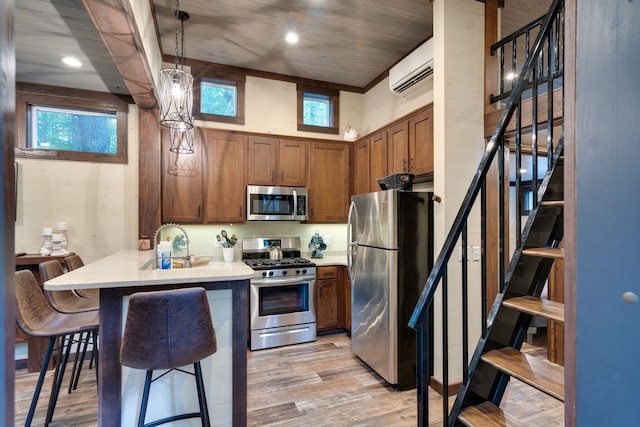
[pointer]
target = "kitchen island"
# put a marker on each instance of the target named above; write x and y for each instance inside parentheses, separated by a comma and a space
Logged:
(120, 388)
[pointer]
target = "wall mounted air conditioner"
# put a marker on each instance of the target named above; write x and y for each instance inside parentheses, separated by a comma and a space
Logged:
(412, 69)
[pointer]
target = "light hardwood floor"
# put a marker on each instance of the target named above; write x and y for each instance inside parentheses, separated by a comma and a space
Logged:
(315, 384)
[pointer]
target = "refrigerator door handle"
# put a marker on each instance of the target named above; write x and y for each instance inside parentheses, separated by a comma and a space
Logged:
(350, 244)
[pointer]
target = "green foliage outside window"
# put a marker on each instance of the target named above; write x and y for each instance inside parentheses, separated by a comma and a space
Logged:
(218, 98)
(74, 130)
(316, 110)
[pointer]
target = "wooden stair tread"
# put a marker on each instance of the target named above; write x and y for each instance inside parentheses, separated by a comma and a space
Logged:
(539, 307)
(555, 253)
(541, 374)
(486, 414)
(552, 203)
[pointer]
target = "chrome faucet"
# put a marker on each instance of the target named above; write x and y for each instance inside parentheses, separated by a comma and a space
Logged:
(187, 258)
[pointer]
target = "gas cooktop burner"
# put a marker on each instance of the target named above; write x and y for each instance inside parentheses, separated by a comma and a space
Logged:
(265, 264)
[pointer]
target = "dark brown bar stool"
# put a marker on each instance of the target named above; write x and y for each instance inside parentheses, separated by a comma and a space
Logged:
(37, 318)
(74, 262)
(166, 330)
(66, 301)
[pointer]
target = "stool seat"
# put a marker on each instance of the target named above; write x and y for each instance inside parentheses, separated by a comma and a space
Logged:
(167, 330)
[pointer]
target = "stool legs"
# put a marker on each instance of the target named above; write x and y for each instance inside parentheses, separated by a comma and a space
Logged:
(43, 372)
(202, 401)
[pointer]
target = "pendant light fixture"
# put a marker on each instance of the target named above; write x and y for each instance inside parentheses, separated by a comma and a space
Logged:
(181, 140)
(176, 88)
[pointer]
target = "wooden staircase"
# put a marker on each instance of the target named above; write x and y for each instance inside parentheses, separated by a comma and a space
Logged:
(498, 357)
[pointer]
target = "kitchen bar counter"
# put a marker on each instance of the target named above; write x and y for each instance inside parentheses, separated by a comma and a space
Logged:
(134, 268)
(119, 388)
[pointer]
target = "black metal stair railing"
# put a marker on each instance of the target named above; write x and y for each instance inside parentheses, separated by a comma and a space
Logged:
(541, 74)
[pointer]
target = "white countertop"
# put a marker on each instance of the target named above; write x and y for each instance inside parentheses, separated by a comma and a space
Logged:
(132, 268)
(330, 259)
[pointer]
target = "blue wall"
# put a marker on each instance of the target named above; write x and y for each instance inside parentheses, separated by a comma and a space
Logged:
(607, 211)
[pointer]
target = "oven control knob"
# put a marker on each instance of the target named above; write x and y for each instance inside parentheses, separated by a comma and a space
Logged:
(264, 273)
(304, 271)
(284, 273)
(271, 273)
(297, 271)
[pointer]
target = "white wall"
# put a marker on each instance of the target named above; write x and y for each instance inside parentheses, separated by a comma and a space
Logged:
(381, 106)
(98, 201)
(458, 147)
(271, 108)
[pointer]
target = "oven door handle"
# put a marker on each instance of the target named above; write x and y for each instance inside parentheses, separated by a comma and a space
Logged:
(282, 281)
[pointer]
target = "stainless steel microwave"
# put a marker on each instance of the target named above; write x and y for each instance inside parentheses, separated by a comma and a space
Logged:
(266, 203)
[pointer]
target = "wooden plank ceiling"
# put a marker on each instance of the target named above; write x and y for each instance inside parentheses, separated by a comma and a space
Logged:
(343, 42)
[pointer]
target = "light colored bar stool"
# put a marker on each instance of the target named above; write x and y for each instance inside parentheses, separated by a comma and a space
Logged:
(166, 330)
(36, 318)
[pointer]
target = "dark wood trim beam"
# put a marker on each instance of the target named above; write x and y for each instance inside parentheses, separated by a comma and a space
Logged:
(149, 173)
(7, 265)
(117, 27)
(491, 24)
(264, 74)
(492, 117)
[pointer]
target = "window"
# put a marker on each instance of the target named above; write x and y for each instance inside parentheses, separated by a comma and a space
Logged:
(318, 109)
(53, 128)
(218, 96)
(70, 124)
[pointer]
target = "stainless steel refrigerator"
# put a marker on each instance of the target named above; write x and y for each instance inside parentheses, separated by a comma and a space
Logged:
(390, 254)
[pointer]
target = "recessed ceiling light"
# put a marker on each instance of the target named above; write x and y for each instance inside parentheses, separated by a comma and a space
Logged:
(72, 62)
(292, 37)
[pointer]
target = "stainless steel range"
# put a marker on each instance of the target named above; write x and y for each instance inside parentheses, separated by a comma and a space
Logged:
(281, 294)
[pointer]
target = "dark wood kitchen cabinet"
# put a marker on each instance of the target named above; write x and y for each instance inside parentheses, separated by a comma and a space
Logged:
(378, 156)
(273, 161)
(329, 178)
(410, 144)
(326, 298)
(182, 193)
(398, 148)
(421, 142)
(345, 298)
(209, 185)
(225, 198)
(361, 165)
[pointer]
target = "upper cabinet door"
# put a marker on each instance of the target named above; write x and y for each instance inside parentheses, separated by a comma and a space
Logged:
(361, 167)
(329, 182)
(261, 160)
(292, 162)
(181, 182)
(398, 143)
(379, 158)
(225, 187)
(421, 143)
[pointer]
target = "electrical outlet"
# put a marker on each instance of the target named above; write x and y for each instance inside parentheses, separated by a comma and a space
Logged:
(216, 244)
(327, 239)
(476, 253)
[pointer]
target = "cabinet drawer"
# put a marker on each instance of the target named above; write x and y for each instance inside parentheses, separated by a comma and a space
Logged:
(327, 272)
